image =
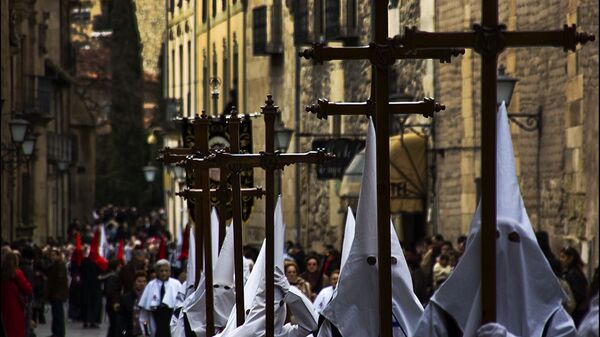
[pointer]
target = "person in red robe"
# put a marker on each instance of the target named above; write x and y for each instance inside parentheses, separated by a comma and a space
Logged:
(14, 289)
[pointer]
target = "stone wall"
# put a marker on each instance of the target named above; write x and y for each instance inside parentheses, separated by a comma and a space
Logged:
(557, 165)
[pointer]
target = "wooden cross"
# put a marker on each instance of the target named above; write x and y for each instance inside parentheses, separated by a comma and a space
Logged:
(202, 209)
(489, 39)
(382, 53)
(269, 160)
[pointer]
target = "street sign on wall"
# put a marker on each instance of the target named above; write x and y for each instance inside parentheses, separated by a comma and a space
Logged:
(344, 149)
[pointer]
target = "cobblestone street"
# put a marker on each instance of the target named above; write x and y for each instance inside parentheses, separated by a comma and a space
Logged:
(73, 329)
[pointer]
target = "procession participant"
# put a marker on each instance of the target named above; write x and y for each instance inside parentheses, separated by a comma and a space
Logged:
(326, 293)
(158, 301)
(74, 312)
(299, 304)
(358, 316)
(528, 294)
(223, 292)
(91, 290)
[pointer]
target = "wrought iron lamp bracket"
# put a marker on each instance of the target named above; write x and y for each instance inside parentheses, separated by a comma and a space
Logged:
(527, 121)
(572, 38)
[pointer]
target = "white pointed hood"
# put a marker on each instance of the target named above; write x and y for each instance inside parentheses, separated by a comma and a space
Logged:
(358, 316)
(348, 237)
(224, 268)
(527, 292)
(250, 291)
(214, 232)
(256, 314)
(223, 292)
(279, 235)
(191, 262)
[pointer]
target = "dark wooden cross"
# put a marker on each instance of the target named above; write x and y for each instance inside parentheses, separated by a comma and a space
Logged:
(382, 54)
(269, 160)
(489, 39)
(202, 209)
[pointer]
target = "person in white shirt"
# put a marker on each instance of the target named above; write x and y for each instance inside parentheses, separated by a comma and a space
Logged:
(158, 301)
(326, 293)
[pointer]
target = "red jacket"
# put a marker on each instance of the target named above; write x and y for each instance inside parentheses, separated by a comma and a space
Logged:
(13, 306)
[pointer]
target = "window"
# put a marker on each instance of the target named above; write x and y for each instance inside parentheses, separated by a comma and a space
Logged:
(351, 14)
(225, 94)
(172, 73)
(204, 81)
(215, 73)
(214, 7)
(318, 17)
(300, 22)
(259, 30)
(44, 95)
(224, 5)
(332, 12)
(204, 10)
(236, 60)
(189, 94)
(181, 71)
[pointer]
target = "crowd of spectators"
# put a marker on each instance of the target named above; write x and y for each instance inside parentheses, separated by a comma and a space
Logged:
(102, 267)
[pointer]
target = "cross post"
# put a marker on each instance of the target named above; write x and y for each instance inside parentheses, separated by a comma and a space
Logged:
(489, 39)
(269, 160)
(382, 53)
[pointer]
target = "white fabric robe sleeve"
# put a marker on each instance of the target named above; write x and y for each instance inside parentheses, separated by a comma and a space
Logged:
(432, 323)
(561, 325)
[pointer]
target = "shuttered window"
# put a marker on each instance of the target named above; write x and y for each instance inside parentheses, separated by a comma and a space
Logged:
(259, 30)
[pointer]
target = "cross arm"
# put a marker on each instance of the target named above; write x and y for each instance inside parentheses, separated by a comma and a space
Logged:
(414, 39)
(263, 160)
(427, 107)
(174, 155)
(568, 38)
(193, 193)
(494, 40)
(320, 53)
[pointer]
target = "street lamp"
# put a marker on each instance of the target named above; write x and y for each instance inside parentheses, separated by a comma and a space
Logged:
(150, 172)
(215, 83)
(179, 173)
(28, 145)
(504, 92)
(283, 136)
(505, 87)
(18, 129)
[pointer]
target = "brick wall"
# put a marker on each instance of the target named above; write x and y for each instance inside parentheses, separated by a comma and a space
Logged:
(564, 169)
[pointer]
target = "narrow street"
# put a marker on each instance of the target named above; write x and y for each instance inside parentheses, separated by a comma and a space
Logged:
(73, 329)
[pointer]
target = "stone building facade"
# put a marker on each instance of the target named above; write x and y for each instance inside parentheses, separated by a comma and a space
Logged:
(557, 174)
(558, 162)
(42, 193)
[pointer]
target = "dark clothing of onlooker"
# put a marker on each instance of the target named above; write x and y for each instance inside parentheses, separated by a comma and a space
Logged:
(112, 290)
(57, 292)
(316, 280)
(57, 284)
(127, 275)
(58, 318)
(127, 315)
(91, 299)
(578, 283)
